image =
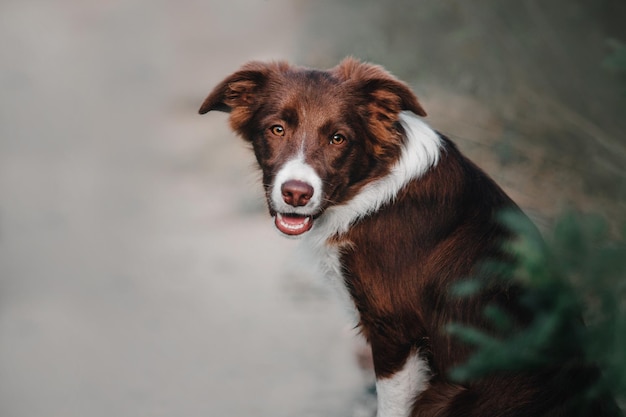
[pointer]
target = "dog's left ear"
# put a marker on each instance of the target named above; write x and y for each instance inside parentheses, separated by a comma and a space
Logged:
(381, 89)
(380, 97)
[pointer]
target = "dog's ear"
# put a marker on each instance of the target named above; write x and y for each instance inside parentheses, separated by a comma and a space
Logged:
(373, 81)
(239, 94)
(237, 89)
(380, 97)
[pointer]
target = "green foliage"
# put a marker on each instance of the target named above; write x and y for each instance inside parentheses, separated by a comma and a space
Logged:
(579, 270)
(616, 61)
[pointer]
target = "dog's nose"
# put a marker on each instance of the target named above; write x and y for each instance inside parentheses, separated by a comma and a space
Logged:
(296, 193)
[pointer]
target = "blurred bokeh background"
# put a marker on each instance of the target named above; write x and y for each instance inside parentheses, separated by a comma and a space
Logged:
(139, 273)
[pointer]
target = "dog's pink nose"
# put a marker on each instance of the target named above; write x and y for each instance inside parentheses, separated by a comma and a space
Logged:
(296, 193)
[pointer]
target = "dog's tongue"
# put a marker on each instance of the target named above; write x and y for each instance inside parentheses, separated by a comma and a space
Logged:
(293, 224)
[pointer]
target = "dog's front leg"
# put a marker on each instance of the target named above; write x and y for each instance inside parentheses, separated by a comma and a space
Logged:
(397, 389)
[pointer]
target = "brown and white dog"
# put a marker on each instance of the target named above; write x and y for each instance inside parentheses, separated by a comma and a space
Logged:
(395, 214)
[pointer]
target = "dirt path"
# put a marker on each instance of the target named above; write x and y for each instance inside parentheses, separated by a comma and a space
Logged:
(139, 275)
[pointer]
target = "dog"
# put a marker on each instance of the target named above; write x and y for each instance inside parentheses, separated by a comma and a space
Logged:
(395, 214)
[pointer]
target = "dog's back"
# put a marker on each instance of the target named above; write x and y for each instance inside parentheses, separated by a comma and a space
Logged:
(400, 266)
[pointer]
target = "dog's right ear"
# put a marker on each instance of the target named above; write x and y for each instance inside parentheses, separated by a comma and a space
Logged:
(238, 94)
(236, 90)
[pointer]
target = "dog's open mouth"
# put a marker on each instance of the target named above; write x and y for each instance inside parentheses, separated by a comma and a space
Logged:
(293, 224)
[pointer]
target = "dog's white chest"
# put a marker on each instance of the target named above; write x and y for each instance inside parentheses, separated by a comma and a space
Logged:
(326, 263)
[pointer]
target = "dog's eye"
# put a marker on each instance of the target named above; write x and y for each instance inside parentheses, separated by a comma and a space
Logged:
(337, 139)
(278, 130)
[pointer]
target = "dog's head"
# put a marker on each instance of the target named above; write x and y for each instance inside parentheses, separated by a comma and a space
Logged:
(318, 136)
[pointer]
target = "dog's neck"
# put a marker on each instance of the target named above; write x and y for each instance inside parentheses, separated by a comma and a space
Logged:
(420, 151)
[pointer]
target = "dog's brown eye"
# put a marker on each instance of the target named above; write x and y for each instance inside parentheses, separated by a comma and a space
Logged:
(278, 130)
(337, 139)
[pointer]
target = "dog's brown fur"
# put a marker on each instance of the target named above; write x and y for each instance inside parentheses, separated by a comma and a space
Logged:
(400, 261)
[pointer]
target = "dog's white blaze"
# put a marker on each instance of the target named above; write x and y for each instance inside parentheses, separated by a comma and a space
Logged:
(296, 169)
(421, 151)
(397, 394)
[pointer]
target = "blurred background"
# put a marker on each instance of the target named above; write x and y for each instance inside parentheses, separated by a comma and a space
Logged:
(139, 272)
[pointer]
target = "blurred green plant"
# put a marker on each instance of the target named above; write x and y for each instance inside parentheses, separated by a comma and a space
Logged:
(616, 60)
(579, 270)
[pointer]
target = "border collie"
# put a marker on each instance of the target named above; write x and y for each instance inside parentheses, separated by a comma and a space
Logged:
(394, 213)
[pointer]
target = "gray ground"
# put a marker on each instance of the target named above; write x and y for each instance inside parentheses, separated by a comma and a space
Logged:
(139, 274)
